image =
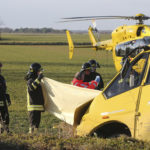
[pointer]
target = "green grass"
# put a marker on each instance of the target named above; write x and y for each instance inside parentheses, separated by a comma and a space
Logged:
(54, 59)
(32, 37)
(47, 38)
(52, 132)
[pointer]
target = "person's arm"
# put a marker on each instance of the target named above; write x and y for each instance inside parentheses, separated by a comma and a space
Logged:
(79, 83)
(8, 99)
(90, 85)
(32, 85)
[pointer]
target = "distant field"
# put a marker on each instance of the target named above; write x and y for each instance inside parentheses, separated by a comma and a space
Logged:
(46, 38)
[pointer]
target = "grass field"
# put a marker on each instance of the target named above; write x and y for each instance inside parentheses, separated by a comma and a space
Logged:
(46, 38)
(54, 59)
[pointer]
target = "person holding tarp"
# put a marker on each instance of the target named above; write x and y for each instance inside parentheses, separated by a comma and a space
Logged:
(4, 115)
(79, 78)
(35, 100)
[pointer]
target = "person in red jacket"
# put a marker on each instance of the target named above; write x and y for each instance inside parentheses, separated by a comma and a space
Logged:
(94, 65)
(78, 80)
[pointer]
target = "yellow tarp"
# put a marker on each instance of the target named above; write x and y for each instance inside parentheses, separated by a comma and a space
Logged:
(63, 99)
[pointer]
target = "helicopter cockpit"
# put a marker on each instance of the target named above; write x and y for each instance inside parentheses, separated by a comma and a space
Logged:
(126, 47)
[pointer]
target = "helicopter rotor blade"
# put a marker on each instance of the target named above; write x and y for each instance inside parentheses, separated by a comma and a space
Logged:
(87, 19)
(92, 17)
(139, 17)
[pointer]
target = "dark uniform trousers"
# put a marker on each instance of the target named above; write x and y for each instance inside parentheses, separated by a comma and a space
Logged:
(4, 115)
(34, 118)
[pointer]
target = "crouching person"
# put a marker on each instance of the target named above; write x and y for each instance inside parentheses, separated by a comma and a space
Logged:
(78, 80)
(4, 101)
(35, 100)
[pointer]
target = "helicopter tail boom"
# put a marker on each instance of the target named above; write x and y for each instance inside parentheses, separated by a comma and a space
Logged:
(101, 45)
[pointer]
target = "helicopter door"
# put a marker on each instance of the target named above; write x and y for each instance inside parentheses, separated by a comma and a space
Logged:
(122, 93)
(143, 111)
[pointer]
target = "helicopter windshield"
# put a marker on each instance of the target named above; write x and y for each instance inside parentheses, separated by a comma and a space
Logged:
(147, 39)
(125, 48)
(132, 78)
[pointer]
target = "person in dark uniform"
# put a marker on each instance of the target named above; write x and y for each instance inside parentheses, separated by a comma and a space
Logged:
(78, 80)
(93, 75)
(35, 100)
(4, 115)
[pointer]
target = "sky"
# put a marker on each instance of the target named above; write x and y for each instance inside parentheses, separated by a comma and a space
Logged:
(47, 13)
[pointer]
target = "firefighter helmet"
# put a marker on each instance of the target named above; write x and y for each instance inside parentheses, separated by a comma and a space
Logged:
(35, 67)
(86, 66)
(94, 64)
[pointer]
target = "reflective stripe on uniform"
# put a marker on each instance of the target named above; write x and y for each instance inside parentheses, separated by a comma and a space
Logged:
(94, 84)
(35, 107)
(83, 85)
(35, 83)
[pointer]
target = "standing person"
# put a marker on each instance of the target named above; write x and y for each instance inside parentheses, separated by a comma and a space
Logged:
(78, 80)
(35, 100)
(4, 115)
(94, 74)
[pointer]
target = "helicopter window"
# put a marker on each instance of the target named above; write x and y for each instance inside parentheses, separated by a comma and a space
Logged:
(141, 43)
(139, 31)
(125, 48)
(132, 79)
(147, 40)
(121, 50)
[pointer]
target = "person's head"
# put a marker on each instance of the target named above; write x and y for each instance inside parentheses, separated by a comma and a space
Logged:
(94, 65)
(34, 70)
(1, 67)
(86, 67)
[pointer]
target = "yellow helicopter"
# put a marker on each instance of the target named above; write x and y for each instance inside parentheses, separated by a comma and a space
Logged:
(124, 38)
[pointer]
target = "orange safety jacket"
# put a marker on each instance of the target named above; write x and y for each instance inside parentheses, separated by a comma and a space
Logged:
(90, 85)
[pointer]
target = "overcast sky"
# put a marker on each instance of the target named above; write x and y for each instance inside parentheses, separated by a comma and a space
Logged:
(46, 13)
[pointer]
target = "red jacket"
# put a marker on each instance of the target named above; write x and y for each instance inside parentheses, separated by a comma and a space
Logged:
(90, 85)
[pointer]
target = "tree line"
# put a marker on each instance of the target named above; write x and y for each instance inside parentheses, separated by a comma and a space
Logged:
(31, 30)
(45, 30)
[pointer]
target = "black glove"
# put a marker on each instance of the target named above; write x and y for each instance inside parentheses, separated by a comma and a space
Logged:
(40, 76)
